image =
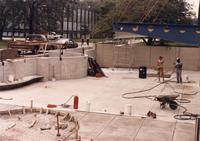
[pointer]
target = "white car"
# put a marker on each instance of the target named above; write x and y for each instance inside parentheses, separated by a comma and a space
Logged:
(67, 43)
(62, 41)
(53, 36)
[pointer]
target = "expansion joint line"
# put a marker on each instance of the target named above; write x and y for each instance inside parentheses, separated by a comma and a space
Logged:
(138, 130)
(105, 127)
(174, 131)
(180, 106)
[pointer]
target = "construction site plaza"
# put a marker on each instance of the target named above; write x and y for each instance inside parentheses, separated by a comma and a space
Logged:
(104, 115)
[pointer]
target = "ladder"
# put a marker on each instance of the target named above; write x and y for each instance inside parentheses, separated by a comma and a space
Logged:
(123, 55)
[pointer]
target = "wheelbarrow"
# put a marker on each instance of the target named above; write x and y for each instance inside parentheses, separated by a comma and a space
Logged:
(168, 100)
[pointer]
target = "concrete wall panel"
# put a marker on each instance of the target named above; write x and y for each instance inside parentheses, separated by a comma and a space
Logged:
(73, 67)
(5, 70)
(43, 67)
(18, 68)
(25, 67)
(139, 54)
(190, 58)
(67, 68)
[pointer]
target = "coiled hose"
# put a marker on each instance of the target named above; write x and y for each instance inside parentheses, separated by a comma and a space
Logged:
(185, 116)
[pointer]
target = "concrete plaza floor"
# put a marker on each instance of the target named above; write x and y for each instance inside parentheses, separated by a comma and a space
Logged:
(109, 127)
(105, 96)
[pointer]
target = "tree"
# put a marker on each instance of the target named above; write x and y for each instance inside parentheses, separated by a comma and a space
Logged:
(174, 12)
(148, 11)
(50, 14)
(4, 16)
(38, 16)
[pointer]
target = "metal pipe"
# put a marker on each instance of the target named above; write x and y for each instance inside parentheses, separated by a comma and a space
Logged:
(58, 132)
(197, 130)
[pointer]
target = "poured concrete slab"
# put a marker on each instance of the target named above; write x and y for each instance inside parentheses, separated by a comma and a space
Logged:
(105, 94)
(102, 127)
(184, 132)
(109, 127)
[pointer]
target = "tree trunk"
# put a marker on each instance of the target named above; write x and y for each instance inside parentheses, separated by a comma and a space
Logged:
(1, 36)
(1, 33)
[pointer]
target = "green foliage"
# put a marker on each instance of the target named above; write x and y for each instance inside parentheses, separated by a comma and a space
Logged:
(48, 14)
(3, 44)
(175, 12)
(148, 11)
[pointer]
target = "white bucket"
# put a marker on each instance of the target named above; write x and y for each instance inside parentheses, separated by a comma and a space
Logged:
(11, 78)
(187, 79)
(88, 104)
(128, 110)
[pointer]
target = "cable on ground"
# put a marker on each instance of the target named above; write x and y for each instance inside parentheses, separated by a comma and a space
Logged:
(185, 116)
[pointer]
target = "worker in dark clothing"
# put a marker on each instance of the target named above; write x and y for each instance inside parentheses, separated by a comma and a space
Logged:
(179, 66)
(82, 41)
(88, 42)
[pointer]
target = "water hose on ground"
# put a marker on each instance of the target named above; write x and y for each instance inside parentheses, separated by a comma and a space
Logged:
(185, 116)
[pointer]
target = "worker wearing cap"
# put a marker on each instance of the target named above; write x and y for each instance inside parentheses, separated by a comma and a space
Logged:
(160, 68)
(178, 67)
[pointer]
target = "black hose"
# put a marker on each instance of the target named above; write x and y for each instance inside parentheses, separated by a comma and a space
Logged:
(183, 100)
(185, 116)
(125, 95)
(195, 93)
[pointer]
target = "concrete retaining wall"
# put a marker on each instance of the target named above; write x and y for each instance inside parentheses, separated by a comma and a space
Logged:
(109, 55)
(49, 67)
(18, 68)
(68, 68)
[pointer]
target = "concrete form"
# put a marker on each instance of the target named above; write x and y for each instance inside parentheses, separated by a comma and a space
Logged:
(49, 67)
(72, 66)
(139, 54)
(30, 124)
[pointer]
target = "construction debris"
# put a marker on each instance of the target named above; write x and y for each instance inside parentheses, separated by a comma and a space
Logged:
(67, 117)
(32, 124)
(11, 126)
(94, 68)
(45, 128)
(62, 126)
(151, 114)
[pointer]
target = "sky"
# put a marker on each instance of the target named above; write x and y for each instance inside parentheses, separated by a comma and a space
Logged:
(195, 4)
